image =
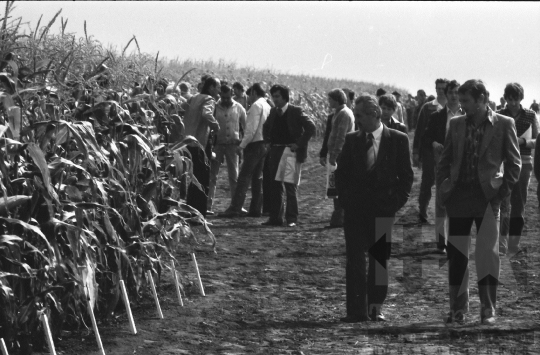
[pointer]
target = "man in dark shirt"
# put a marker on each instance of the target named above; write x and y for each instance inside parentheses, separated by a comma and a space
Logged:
(287, 126)
(472, 187)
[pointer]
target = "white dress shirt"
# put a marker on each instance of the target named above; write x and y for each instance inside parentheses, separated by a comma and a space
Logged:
(256, 116)
(374, 150)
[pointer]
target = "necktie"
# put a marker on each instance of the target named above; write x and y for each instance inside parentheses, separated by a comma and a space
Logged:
(370, 150)
(279, 112)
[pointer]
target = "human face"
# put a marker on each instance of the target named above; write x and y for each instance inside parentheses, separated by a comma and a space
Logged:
(453, 97)
(366, 122)
(226, 99)
(238, 92)
(440, 89)
(332, 103)
(513, 104)
(214, 90)
(469, 105)
(279, 101)
(387, 112)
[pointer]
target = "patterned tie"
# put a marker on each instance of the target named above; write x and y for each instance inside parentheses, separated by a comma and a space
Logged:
(370, 150)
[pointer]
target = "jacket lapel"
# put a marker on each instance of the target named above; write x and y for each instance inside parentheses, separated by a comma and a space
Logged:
(488, 134)
(361, 151)
(460, 138)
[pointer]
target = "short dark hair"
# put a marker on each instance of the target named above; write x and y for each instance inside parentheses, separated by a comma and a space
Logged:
(395, 93)
(283, 90)
(259, 91)
(513, 91)
(369, 105)
(442, 81)
(208, 83)
(225, 89)
(451, 85)
(421, 91)
(204, 77)
(475, 87)
(184, 87)
(351, 95)
(338, 95)
(380, 92)
(238, 86)
(388, 100)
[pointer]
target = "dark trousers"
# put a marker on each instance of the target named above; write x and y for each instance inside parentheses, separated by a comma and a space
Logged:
(266, 186)
(368, 231)
(201, 170)
(251, 171)
(277, 191)
(337, 215)
(513, 211)
(463, 208)
(428, 180)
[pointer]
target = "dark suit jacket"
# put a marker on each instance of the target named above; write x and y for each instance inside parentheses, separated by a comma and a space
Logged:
(537, 160)
(499, 145)
(436, 129)
(394, 175)
(324, 148)
(301, 129)
(398, 126)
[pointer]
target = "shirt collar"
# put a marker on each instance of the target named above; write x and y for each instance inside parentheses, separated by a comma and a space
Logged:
(458, 111)
(378, 132)
(284, 108)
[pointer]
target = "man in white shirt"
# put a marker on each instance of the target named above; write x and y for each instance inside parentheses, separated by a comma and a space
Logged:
(231, 117)
(254, 151)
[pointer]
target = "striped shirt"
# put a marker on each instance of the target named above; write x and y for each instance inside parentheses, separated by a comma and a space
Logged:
(468, 174)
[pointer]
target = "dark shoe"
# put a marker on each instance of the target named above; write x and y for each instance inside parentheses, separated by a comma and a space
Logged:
(440, 251)
(459, 318)
(254, 215)
(422, 219)
(332, 226)
(354, 319)
(513, 252)
(266, 214)
(292, 224)
(271, 223)
(229, 214)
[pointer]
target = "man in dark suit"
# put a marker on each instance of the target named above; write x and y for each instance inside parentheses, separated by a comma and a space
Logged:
(472, 183)
(373, 178)
(286, 126)
(434, 139)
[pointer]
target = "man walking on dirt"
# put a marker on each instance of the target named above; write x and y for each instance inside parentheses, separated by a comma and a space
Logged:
(373, 178)
(231, 117)
(423, 158)
(513, 208)
(342, 122)
(472, 186)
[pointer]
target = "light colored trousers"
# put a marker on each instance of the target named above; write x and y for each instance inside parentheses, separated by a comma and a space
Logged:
(223, 152)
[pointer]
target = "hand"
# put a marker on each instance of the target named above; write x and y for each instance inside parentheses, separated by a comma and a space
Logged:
(437, 147)
(416, 160)
(322, 160)
(521, 141)
(293, 147)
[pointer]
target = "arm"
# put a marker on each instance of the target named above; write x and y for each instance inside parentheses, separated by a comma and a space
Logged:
(443, 169)
(404, 171)
(531, 143)
(324, 148)
(537, 160)
(208, 107)
(340, 127)
(251, 124)
(309, 129)
(420, 127)
(267, 126)
(242, 118)
(512, 160)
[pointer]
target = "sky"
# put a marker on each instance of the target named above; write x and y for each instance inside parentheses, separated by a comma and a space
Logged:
(406, 44)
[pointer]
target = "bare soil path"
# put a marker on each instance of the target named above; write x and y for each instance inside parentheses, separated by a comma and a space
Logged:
(279, 290)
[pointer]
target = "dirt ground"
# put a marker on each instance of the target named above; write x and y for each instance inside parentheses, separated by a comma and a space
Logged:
(279, 290)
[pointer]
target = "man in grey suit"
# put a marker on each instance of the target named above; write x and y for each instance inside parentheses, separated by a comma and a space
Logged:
(473, 181)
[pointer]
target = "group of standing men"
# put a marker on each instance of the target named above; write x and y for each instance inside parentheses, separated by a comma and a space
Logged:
(479, 160)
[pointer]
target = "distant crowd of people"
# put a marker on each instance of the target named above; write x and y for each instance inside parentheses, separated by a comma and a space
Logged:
(477, 155)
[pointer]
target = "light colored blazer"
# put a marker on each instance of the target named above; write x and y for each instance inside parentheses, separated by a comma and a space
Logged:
(499, 145)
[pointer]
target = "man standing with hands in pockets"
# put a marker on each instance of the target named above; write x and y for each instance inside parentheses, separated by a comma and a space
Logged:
(472, 183)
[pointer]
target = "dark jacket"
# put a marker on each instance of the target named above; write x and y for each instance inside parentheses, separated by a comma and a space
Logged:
(537, 160)
(398, 126)
(421, 126)
(389, 189)
(301, 129)
(436, 129)
(324, 149)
